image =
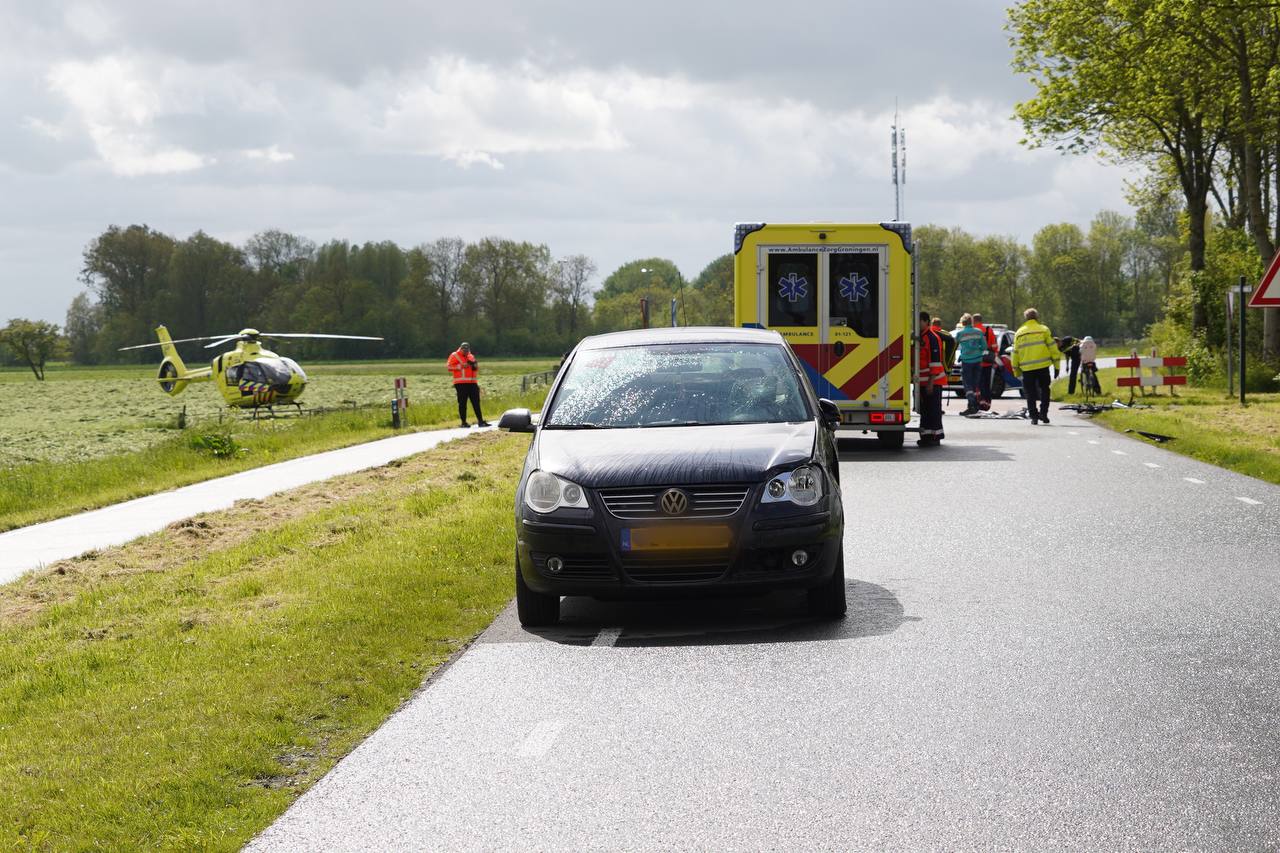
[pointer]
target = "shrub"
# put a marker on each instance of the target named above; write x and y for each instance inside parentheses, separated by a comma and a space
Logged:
(1172, 338)
(220, 445)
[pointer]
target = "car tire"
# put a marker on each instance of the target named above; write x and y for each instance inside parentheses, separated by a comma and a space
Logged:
(891, 440)
(826, 600)
(997, 387)
(535, 609)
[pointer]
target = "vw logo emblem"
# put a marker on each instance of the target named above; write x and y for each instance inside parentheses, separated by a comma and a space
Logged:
(674, 502)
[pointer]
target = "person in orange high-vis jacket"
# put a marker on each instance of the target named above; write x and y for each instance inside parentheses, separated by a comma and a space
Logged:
(931, 381)
(462, 364)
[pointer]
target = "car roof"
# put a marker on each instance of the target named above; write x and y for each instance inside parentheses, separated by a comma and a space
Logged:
(682, 335)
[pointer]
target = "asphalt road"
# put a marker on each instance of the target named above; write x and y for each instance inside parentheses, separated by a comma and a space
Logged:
(1058, 637)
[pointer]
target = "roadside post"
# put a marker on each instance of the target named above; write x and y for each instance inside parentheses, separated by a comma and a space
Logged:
(395, 413)
(1242, 339)
(644, 312)
(673, 313)
(402, 393)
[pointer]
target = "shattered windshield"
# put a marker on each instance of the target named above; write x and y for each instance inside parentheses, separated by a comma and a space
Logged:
(678, 385)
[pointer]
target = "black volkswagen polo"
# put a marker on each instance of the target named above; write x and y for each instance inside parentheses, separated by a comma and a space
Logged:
(674, 461)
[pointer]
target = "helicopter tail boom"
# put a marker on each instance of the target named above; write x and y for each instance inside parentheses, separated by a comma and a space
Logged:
(174, 376)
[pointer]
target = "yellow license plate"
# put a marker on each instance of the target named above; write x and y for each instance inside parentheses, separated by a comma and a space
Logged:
(675, 538)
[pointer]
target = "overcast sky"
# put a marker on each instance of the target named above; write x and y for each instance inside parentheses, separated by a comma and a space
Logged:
(614, 130)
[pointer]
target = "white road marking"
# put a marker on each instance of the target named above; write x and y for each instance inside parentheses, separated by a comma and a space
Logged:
(1249, 501)
(1151, 464)
(544, 734)
(607, 637)
(1194, 480)
(1072, 432)
(1119, 453)
(1091, 441)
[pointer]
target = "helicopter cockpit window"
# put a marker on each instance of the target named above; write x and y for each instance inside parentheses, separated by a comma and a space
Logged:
(271, 371)
(233, 374)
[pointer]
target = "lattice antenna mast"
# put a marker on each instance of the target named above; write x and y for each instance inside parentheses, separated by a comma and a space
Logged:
(898, 147)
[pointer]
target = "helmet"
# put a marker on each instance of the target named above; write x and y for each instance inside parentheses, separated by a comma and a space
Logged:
(1088, 337)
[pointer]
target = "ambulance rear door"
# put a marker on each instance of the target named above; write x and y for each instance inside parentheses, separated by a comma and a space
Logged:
(853, 315)
(790, 290)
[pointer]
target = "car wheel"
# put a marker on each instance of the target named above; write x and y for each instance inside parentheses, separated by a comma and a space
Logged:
(535, 609)
(997, 387)
(891, 440)
(826, 600)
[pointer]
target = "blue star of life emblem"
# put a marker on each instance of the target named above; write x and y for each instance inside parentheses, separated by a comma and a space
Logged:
(855, 287)
(793, 287)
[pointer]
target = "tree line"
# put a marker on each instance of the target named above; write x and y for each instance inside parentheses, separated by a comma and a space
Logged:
(1109, 280)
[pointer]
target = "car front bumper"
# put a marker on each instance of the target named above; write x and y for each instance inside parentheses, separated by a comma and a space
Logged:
(759, 557)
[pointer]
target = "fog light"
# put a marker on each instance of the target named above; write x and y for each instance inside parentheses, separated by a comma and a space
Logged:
(799, 557)
(555, 564)
(777, 488)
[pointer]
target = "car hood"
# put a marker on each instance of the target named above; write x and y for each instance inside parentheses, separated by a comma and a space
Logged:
(653, 456)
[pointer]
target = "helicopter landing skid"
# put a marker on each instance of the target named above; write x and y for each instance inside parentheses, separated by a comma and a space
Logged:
(271, 413)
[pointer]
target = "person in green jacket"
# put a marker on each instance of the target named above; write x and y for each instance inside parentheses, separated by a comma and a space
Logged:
(1034, 352)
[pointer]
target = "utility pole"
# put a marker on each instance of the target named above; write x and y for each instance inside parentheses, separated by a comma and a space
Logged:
(898, 147)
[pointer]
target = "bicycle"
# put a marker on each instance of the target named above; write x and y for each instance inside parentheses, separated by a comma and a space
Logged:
(1089, 383)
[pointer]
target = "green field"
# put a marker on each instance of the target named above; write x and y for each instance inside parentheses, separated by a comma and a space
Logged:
(73, 447)
(87, 413)
(179, 692)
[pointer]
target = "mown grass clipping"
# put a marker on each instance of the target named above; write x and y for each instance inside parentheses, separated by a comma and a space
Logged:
(181, 691)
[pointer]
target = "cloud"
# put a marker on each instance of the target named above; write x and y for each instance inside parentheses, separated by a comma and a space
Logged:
(469, 112)
(272, 154)
(117, 104)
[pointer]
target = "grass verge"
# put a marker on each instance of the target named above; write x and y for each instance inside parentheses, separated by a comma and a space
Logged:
(1205, 423)
(182, 691)
(41, 491)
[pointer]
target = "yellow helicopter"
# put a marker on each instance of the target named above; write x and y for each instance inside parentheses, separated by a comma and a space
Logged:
(248, 377)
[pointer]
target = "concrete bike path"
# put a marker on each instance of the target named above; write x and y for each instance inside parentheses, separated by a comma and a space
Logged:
(37, 545)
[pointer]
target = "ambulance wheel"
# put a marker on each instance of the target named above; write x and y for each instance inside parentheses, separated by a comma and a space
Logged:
(826, 600)
(535, 609)
(997, 387)
(891, 440)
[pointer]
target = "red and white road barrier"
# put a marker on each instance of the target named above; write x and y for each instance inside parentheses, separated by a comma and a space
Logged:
(1153, 364)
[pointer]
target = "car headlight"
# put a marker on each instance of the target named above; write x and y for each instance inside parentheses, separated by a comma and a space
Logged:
(546, 492)
(802, 487)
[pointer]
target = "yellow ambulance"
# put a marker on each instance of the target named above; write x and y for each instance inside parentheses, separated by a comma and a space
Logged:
(843, 296)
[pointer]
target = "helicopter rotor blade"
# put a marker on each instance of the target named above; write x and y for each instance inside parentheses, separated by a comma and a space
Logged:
(318, 335)
(160, 344)
(226, 339)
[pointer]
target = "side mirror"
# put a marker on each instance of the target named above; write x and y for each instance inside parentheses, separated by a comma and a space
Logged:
(516, 420)
(830, 413)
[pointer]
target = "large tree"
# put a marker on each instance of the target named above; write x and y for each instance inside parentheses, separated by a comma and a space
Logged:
(508, 281)
(33, 342)
(1124, 77)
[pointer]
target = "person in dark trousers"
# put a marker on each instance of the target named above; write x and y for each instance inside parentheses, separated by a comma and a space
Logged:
(1070, 349)
(466, 384)
(988, 363)
(931, 381)
(1035, 352)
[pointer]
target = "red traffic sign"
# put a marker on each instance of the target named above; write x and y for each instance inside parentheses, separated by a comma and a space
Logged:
(1268, 293)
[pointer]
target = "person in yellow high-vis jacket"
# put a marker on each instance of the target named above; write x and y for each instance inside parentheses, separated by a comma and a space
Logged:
(1034, 352)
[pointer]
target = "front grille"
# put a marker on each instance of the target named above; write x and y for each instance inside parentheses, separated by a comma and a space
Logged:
(674, 570)
(580, 566)
(705, 501)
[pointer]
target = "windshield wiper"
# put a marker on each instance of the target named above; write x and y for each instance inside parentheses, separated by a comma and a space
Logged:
(574, 426)
(673, 422)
